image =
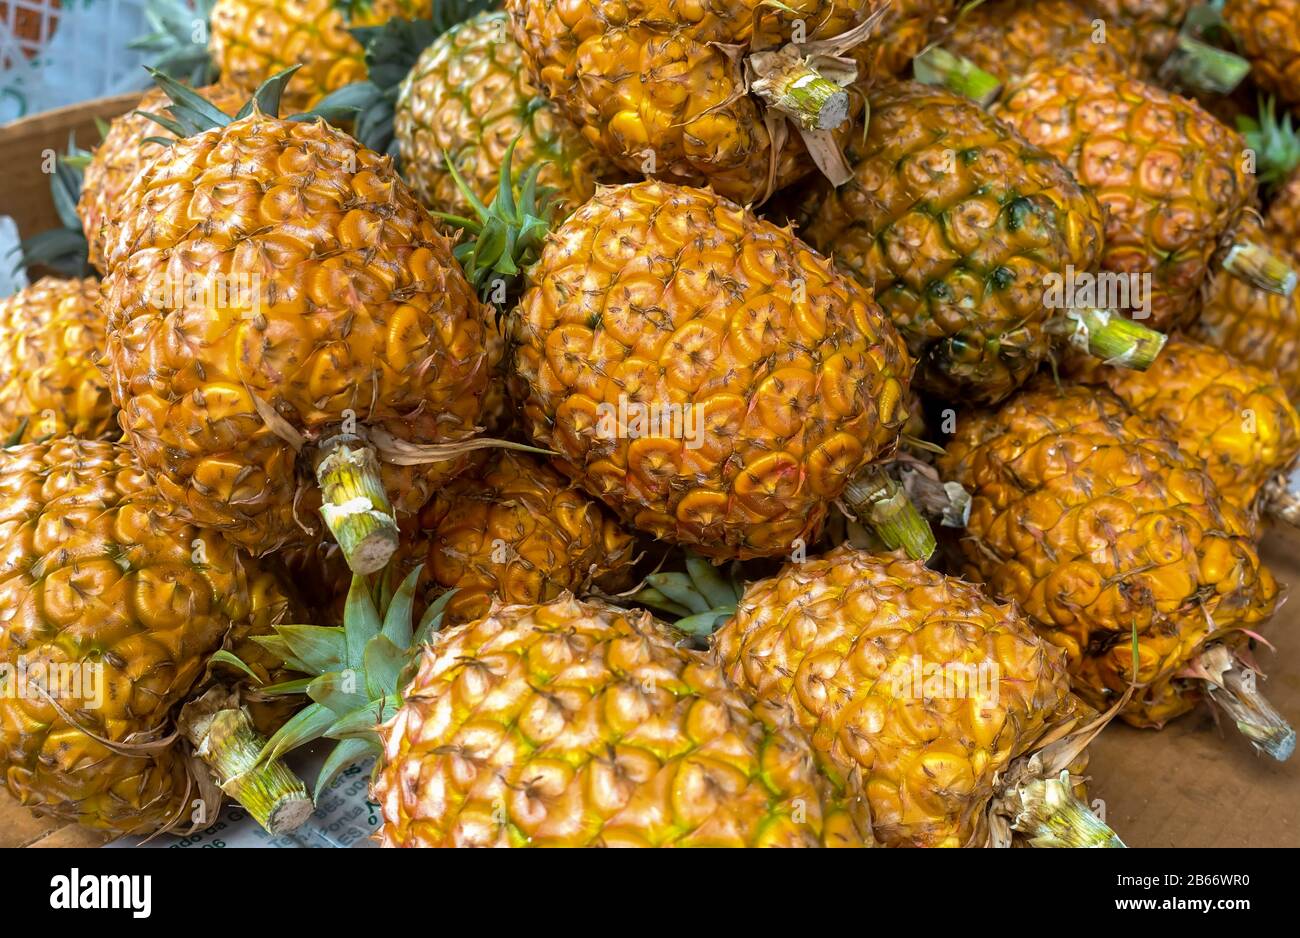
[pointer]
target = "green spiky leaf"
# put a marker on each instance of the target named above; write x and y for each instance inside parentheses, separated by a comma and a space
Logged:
(346, 753)
(341, 691)
(1274, 140)
(175, 46)
(361, 621)
(318, 647)
(384, 663)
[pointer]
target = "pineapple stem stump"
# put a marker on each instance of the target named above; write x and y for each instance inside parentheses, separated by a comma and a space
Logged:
(356, 507)
(883, 504)
(795, 88)
(1051, 816)
(937, 66)
(1116, 340)
(1200, 66)
(273, 795)
(1239, 697)
(1260, 267)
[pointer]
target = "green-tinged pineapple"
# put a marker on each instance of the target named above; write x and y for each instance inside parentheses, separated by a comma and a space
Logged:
(519, 532)
(51, 339)
(563, 724)
(315, 324)
(112, 607)
(1232, 417)
(929, 694)
(252, 40)
(1120, 549)
(961, 228)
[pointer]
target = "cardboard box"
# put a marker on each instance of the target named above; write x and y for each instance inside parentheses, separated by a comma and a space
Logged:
(1194, 784)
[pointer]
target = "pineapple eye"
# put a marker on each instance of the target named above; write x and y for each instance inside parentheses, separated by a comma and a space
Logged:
(1003, 277)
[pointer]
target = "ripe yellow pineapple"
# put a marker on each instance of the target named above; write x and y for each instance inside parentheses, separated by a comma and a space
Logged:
(906, 28)
(704, 373)
(1269, 34)
(121, 156)
(112, 607)
(960, 226)
(718, 96)
(466, 100)
(1091, 519)
(1172, 179)
(564, 724)
(314, 319)
(912, 683)
(253, 40)
(51, 338)
(519, 532)
(1231, 416)
(1157, 22)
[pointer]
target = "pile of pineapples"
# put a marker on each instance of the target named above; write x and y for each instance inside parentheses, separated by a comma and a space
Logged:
(552, 406)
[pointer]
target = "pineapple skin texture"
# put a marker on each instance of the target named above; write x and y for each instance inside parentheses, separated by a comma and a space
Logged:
(1094, 522)
(520, 533)
(653, 294)
(581, 724)
(833, 641)
(1170, 176)
(469, 96)
(1255, 326)
(97, 570)
(651, 77)
(954, 222)
(907, 28)
(51, 337)
(1269, 33)
(252, 40)
(121, 156)
(361, 310)
(1012, 37)
(1234, 418)
(1156, 21)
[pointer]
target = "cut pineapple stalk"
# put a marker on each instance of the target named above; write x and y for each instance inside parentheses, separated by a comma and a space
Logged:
(881, 502)
(796, 89)
(937, 66)
(1260, 267)
(1234, 689)
(354, 504)
(1115, 340)
(224, 738)
(1051, 816)
(1199, 66)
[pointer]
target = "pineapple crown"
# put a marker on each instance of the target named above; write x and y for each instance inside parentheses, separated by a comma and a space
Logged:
(1274, 140)
(63, 249)
(507, 236)
(355, 672)
(178, 45)
(700, 600)
(391, 52)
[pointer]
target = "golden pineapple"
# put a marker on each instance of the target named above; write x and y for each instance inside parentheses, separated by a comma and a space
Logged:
(909, 681)
(704, 373)
(1157, 22)
(715, 97)
(51, 338)
(1012, 37)
(581, 724)
(1231, 416)
(1268, 32)
(958, 225)
(123, 154)
(906, 28)
(519, 532)
(1172, 178)
(314, 320)
(103, 581)
(254, 39)
(1090, 518)
(467, 99)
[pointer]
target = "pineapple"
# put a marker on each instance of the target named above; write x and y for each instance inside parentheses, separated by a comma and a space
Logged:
(466, 100)
(1231, 416)
(1157, 22)
(1172, 179)
(1268, 32)
(722, 97)
(315, 320)
(912, 682)
(520, 533)
(1275, 145)
(1120, 549)
(122, 156)
(104, 582)
(958, 226)
(1012, 37)
(51, 338)
(708, 376)
(253, 40)
(907, 27)
(563, 724)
